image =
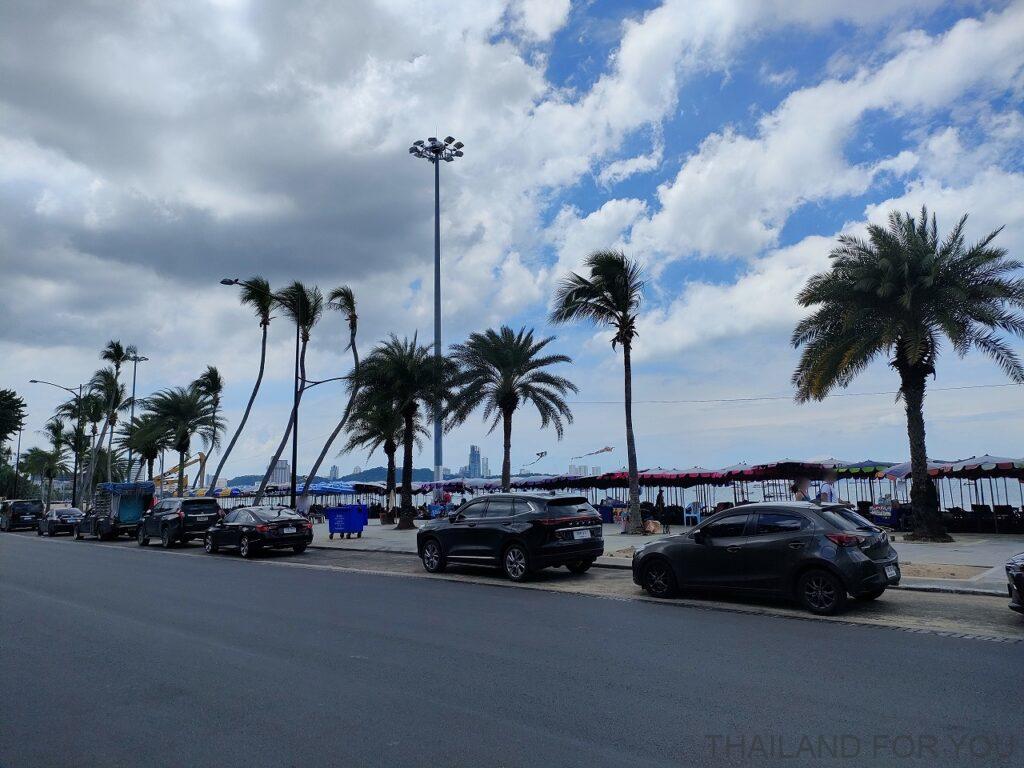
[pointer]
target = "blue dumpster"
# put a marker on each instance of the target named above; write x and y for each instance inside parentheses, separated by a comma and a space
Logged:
(347, 519)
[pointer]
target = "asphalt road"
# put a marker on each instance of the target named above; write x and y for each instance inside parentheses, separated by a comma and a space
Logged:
(120, 656)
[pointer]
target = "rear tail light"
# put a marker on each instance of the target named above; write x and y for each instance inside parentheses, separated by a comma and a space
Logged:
(845, 539)
(181, 514)
(262, 528)
(309, 524)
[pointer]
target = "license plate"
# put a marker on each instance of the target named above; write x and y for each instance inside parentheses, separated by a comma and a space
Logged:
(203, 518)
(584, 534)
(890, 571)
(287, 530)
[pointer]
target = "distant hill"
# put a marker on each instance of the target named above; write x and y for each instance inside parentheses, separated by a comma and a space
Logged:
(371, 475)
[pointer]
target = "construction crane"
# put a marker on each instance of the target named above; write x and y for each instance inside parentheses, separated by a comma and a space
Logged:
(170, 477)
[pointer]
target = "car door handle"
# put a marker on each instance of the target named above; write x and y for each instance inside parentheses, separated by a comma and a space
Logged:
(471, 525)
(733, 548)
(796, 545)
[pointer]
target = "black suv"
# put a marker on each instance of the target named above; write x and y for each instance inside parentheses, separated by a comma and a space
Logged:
(518, 533)
(817, 554)
(20, 513)
(176, 521)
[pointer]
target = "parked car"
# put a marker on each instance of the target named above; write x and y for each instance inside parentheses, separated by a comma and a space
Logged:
(177, 521)
(20, 513)
(1015, 579)
(255, 528)
(816, 554)
(117, 509)
(519, 533)
(59, 521)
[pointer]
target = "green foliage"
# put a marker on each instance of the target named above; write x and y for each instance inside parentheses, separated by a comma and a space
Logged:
(611, 295)
(12, 414)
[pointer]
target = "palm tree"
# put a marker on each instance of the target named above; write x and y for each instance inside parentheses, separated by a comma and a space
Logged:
(375, 422)
(305, 307)
(340, 299)
(211, 384)
(184, 413)
(147, 437)
(39, 462)
(611, 295)
(899, 293)
(117, 355)
(502, 370)
(408, 373)
(257, 295)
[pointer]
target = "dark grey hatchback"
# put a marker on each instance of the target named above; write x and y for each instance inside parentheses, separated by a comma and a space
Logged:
(519, 533)
(816, 554)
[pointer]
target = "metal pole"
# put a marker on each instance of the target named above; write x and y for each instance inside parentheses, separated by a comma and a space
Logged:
(131, 414)
(438, 450)
(74, 448)
(17, 463)
(295, 421)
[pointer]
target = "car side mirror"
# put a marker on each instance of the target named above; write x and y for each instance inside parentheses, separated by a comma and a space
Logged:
(454, 516)
(699, 537)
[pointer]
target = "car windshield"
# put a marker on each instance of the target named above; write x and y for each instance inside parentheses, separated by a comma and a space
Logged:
(856, 518)
(277, 513)
(203, 505)
(23, 507)
(568, 505)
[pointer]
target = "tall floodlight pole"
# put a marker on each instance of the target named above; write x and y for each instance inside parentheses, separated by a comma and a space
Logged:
(136, 359)
(434, 151)
(17, 462)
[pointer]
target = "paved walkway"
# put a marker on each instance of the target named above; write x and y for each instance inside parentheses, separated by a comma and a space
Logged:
(983, 551)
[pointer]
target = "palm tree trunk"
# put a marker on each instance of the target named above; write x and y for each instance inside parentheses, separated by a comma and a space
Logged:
(149, 466)
(344, 417)
(390, 448)
(287, 432)
(636, 523)
(49, 492)
(91, 475)
(245, 416)
(110, 451)
(927, 521)
(506, 460)
(406, 512)
(181, 473)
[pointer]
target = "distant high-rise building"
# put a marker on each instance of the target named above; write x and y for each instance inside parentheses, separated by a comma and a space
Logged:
(579, 470)
(474, 461)
(595, 470)
(485, 467)
(282, 473)
(464, 470)
(334, 472)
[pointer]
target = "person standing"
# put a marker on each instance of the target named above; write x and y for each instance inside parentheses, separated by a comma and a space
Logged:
(659, 511)
(801, 489)
(827, 492)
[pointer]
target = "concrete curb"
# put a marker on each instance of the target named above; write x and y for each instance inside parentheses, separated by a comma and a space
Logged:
(936, 588)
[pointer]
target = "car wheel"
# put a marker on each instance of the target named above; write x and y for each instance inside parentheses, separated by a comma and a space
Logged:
(298, 549)
(141, 537)
(165, 538)
(433, 558)
(658, 579)
(821, 592)
(872, 595)
(516, 563)
(245, 549)
(209, 546)
(579, 566)
(77, 533)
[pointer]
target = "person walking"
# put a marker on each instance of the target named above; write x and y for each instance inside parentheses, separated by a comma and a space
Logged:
(659, 511)
(827, 492)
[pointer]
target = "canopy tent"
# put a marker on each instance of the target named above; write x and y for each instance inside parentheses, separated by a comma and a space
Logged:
(984, 466)
(902, 471)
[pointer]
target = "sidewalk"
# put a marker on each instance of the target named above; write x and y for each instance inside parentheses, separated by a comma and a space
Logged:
(973, 564)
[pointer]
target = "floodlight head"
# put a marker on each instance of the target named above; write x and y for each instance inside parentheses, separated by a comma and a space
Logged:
(457, 153)
(459, 145)
(229, 281)
(432, 140)
(418, 143)
(412, 150)
(448, 158)
(33, 381)
(449, 139)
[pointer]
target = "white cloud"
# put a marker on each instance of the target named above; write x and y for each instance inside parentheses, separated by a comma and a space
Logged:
(540, 19)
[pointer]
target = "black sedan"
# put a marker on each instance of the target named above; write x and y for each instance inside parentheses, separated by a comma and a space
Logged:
(518, 533)
(816, 554)
(59, 521)
(254, 528)
(1015, 582)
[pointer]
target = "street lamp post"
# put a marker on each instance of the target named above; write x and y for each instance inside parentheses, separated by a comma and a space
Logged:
(434, 151)
(17, 463)
(136, 359)
(74, 448)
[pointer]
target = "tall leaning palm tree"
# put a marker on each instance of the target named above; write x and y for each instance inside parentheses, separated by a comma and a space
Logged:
(503, 370)
(610, 295)
(106, 386)
(899, 293)
(257, 295)
(211, 384)
(305, 306)
(147, 437)
(184, 413)
(340, 299)
(408, 373)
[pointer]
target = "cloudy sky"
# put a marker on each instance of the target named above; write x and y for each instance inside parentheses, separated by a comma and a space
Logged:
(148, 149)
